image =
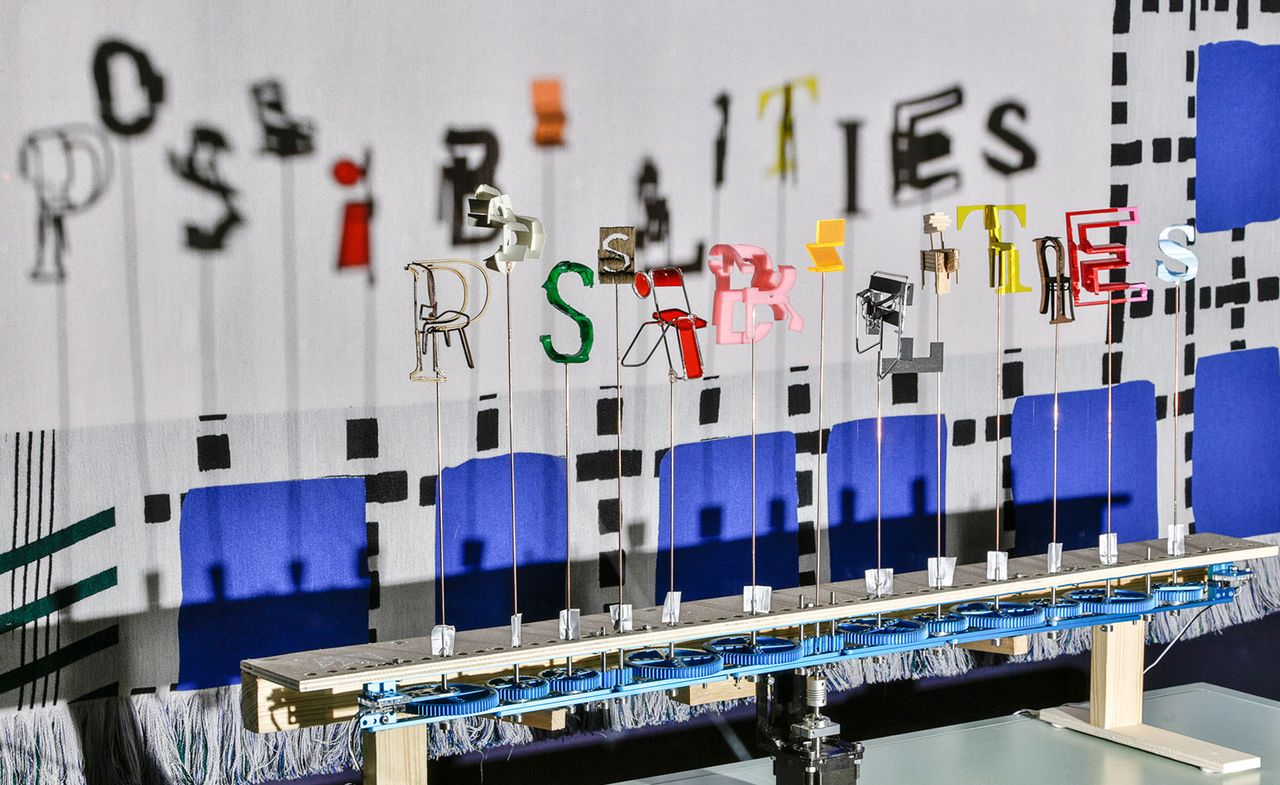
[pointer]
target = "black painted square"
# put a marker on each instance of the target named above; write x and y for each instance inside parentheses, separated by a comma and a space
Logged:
(1237, 318)
(798, 399)
(386, 487)
(609, 568)
(427, 491)
(1119, 69)
(607, 416)
(1119, 195)
(156, 508)
(804, 488)
(362, 438)
(1011, 380)
(486, 430)
(1186, 148)
(1161, 150)
(1119, 112)
(1237, 267)
(905, 387)
(1117, 371)
(607, 516)
(709, 406)
(963, 433)
(1268, 289)
(1237, 234)
(213, 451)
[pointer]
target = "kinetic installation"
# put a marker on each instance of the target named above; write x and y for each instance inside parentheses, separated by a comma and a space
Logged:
(780, 640)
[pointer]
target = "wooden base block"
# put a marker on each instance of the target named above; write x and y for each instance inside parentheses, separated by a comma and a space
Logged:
(1014, 644)
(548, 719)
(716, 691)
(1167, 744)
(395, 757)
(267, 707)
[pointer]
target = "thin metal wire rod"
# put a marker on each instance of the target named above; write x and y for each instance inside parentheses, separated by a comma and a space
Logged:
(1177, 343)
(439, 495)
(617, 379)
(879, 456)
(999, 359)
(1110, 383)
(1056, 356)
(511, 447)
(751, 324)
(818, 487)
(568, 493)
(671, 500)
(939, 481)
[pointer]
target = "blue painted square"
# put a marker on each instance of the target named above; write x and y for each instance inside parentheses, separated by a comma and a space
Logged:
(477, 539)
(1237, 135)
(713, 516)
(269, 568)
(1236, 449)
(1082, 467)
(908, 494)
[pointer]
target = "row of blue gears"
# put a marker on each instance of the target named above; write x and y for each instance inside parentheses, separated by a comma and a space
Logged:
(1179, 593)
(891, 632)
(763, 650)
(565, 681)
(987, 615)
(518, 689)
(1099, 601)
(822, 644)
(1230, 573)
(451, 701)
(681, 664)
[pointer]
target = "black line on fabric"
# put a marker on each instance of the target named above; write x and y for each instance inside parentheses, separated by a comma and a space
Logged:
(35, 627)
(211, 417)
(53, 485)
(22, 635)
(13, 576)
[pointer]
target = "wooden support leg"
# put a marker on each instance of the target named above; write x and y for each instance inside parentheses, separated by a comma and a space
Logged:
(395, 757)
(1115, 707)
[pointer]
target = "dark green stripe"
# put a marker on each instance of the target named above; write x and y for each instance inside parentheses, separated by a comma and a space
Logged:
(61, 658)
(52, 603)
(62, 538)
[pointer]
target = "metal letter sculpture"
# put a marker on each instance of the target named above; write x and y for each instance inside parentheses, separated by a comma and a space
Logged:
(1002, 257)
(431, 322)
(522, 235)
(586, 331)
(1055, 287)
(940, 260)
(770, 285)
(1178, 253)
(682, 320)
(786, 161)
(616, 255)
(1114, 256)
(885, 301)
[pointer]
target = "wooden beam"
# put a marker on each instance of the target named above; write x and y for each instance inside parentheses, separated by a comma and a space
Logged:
(716, 691)
(267, 707)
(395, 757)
(547, 719)
(1010, 646)
(410, 661)
(1115, 685)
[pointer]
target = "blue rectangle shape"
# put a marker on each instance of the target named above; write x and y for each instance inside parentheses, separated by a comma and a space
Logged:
(713, 516)
(477, 539)
(1236, 449)
(269, 568)
(908, 494)
(1237, 135)
(1082, 467)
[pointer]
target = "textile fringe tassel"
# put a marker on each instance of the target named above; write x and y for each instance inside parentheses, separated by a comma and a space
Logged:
(196, 738)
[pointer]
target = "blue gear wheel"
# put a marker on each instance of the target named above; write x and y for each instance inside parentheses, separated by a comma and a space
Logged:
(580, 680)
(1057, 610)
(617, 677)
(1179, 593)
(686, 664)
(946, 624)
(890, 632)
(512, 689)
(822, 644)
(452, 701)
(767, 650)
(984, 615)
(1120, 601)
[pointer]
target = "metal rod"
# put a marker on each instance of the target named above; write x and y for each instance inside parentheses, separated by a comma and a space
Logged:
(999, 360)
(511, 447)
(751, 323)
(671, 499)
(1057, 328)
(439, 494)
(568, 492)
(939, 481)
(617, 380)
(1110, 383)
(818, 487)
(879, 455)
(1177, 343)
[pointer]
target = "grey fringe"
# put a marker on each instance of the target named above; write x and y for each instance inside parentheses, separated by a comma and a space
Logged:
(196, 738)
